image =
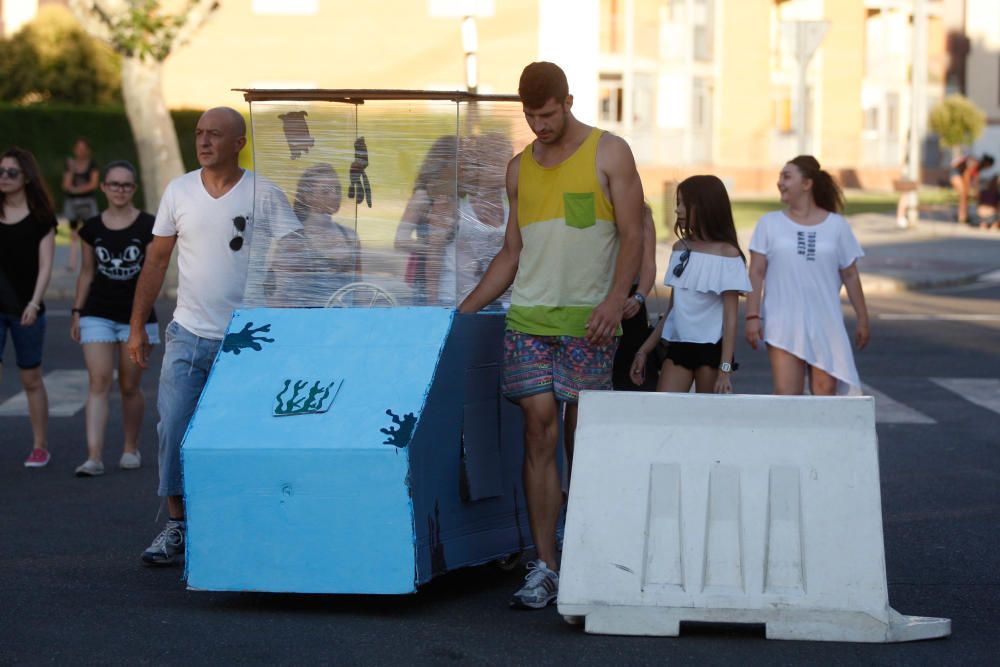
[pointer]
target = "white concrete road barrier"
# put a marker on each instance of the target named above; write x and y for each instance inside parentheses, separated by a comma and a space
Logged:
(733, 509)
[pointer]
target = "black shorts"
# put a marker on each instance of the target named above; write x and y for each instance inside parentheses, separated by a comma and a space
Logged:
(691, 356)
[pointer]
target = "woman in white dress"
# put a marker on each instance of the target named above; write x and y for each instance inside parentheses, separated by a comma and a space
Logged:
(799, 258)
(707, 274)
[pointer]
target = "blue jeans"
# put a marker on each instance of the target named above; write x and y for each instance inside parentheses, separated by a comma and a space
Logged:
(187, 361)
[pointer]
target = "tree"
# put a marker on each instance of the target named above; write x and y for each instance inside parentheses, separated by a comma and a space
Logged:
(145, 33)
(51, 59)
(957, 121)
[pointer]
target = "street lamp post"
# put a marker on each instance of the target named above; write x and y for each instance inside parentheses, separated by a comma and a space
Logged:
(470, 45)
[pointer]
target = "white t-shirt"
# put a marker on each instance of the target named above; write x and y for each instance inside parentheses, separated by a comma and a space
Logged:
(801, 310)
(211, 275)
(697, 311)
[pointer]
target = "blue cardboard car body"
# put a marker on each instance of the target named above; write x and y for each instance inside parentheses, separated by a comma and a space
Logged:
(349, 450)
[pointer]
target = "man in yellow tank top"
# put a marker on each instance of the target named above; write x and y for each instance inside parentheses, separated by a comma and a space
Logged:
(572, 249)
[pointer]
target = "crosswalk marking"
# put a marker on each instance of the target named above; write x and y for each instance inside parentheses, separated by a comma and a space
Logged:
(67, 392)
(984, 392)
(890, 411)
(991, 277)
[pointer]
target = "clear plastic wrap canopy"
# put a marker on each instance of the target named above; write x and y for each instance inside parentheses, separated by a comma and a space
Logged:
(394, 197)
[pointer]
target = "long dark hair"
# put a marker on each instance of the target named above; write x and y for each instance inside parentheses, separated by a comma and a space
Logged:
(36, 193)
(709, 214)
(825, 191)
(443, 153)
(314, 179)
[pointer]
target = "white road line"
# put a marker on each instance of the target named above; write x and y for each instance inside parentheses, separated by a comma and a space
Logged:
(889, 411)
(984, 392)
(67, 392)
(945, 317)
(991, 277)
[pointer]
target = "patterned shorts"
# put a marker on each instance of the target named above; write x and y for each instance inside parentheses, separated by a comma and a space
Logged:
(565, 365)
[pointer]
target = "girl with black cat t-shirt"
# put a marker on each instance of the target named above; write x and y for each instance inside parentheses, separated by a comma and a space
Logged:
(114, 248)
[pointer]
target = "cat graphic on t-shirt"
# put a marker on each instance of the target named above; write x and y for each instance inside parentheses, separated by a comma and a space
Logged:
(123, 265)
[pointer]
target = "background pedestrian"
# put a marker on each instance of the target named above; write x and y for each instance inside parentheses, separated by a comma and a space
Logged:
(27, 248)
(799, 258)
(79, 184)
(114, 248)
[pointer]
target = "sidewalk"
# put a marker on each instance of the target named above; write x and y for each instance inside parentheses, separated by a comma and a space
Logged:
(933, 254)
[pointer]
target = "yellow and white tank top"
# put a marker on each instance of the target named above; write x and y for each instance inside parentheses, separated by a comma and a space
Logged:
(570, 244)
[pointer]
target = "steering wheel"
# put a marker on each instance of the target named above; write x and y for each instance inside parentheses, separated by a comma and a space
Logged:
(348, 296)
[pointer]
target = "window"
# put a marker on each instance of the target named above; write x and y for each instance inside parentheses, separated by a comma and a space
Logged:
(701, 104)
(286, 7)
(892, 114)
(703, 26)
(611, 94)
(781, 105)
(870, 119)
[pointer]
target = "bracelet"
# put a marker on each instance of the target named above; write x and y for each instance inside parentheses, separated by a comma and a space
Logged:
(753, 317)
(34, 306)
(76, 311)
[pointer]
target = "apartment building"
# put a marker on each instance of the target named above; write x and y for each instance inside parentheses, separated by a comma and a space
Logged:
(975, 31)
(694, 85)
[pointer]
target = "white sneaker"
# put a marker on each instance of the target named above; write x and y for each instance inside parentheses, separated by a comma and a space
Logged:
(541, 586)
(130, 460)
(90, 468)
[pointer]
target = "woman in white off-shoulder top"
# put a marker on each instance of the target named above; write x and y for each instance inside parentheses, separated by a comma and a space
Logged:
(707, 274)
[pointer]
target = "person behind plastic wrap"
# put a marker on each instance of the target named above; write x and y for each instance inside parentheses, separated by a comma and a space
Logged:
(572, 250)
(312, 263)
(429, 220)
(27, 248)
(208, 215)
(799, 258)
(482, 216)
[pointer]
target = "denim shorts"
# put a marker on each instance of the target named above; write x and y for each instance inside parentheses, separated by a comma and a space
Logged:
(187, 362)
(102, 330)
(27, 340)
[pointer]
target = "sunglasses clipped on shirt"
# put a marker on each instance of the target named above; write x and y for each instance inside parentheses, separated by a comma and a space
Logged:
(240, 223)
(681, 265)
(10, 172)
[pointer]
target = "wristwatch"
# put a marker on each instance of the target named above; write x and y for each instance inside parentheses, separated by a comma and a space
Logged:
(726, 367)
(640, 298)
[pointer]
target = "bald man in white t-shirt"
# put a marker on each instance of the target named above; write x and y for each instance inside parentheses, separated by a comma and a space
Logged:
(208, 215)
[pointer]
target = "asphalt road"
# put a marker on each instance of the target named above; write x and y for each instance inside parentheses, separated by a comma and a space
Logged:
(72, 589)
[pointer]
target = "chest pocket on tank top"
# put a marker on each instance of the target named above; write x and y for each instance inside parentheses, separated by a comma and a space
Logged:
(579, 209)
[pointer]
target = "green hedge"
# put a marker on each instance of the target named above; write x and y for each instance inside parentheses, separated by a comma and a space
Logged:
(49, 133)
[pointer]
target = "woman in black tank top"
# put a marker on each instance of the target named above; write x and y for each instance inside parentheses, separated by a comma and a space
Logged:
(79, 184)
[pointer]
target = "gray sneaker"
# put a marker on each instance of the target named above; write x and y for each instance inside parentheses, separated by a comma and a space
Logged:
(541, 586)
(168, 545)
(130, 460)
(90, 468)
